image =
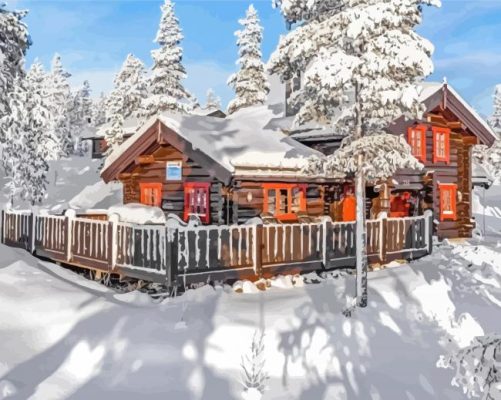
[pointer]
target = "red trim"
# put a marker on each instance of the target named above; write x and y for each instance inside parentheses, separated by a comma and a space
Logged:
(437, 134)
(290, 216)
(420, 131)
(197, 185)
(451, 190)
(156, 193)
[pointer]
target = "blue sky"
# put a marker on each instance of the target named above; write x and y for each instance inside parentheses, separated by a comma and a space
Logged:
(94, 37)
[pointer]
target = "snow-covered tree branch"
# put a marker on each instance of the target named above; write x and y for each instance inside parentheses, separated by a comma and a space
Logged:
(478, 367)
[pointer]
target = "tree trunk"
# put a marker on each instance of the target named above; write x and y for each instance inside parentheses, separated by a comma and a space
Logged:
(360, 239)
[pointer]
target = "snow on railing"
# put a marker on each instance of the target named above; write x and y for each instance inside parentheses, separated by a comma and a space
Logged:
(184, 250)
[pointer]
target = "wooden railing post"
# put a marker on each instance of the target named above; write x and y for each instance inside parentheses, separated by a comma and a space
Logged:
(70, 216)
(258, 250)
(112, 239)
(428, 214)
(172, 246)
(327, 242)
(383, 244)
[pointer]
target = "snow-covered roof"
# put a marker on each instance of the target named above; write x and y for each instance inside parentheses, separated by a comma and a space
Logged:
(245, 143)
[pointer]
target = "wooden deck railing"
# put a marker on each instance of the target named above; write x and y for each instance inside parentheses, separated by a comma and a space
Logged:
(196, 254)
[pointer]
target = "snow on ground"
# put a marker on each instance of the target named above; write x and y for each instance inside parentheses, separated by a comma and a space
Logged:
(74, 182)
(64, 337)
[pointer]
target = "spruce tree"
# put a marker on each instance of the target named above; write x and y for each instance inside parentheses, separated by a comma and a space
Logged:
(131, 82)
(167, 92)
(213, 102)
(495, 120)
(114, 132)
(81, 117)
(249, 83)
(98, 111)
(14, 42)
(29, 141)
(360, 64)
(60, 98)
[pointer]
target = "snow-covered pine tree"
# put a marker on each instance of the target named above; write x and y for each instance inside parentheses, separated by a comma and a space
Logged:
(14, 41)
(250, 82)
(165, 85)
(114, 132)
(213, 102)
(495, 119)
(29, 140)
(131, 82)
(361, 62)
(81, 117)
(98, 113)
(60, 99)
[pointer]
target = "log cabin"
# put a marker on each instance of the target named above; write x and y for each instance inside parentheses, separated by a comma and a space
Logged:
(442, 140)
(225, 171)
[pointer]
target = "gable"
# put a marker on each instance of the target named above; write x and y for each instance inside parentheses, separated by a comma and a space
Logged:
(151, 139)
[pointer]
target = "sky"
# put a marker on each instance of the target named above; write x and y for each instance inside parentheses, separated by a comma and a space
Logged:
(94, 37)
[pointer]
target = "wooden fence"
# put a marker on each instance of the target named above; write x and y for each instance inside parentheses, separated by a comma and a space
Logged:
(173, 255)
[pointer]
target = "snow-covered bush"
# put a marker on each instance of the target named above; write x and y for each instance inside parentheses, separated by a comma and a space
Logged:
(254, 375)
(213, 102)
(166, 89)
(478, 367)
(250, 82)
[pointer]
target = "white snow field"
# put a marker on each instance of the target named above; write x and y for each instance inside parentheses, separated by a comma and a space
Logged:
(65, 337)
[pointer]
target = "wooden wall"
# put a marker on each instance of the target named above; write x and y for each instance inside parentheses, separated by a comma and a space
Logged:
(173, 192)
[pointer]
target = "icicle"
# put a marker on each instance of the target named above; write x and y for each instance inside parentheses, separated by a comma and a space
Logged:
(197, 247)
(276, 242)
(249, 248)
(207, 250)
(318, 238)
(219, 229)
(239, 249)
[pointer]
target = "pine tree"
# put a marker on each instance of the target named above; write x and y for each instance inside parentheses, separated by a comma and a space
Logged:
(14, 42)
(167, 90)
(81, 117)
(29, 141)
(361, 62)
(114, 132)
(495, 120)
(213, 101)
(98, 111)
(60, 98)
(250, 82)
(130, 81)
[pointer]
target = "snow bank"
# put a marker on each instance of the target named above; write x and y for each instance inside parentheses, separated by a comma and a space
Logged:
(138, 214)
(97, 195)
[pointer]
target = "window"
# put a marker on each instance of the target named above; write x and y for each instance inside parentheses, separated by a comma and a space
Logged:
(174, 171)
(284, 201)
(416, 136)
(447, 201)
(197, 201)
(151, 194)
(441, 144)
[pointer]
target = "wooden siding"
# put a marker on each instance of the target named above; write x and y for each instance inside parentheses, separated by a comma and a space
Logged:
(172, 191)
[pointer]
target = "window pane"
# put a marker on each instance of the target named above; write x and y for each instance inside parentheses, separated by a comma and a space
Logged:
(297, 195)
(284, 201)
(271, 201)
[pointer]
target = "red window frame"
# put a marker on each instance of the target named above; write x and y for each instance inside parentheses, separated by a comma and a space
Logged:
(188, 187)
(439, 133)
(290, 215)
(413, 134)
(450, 190)
(155, 198)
